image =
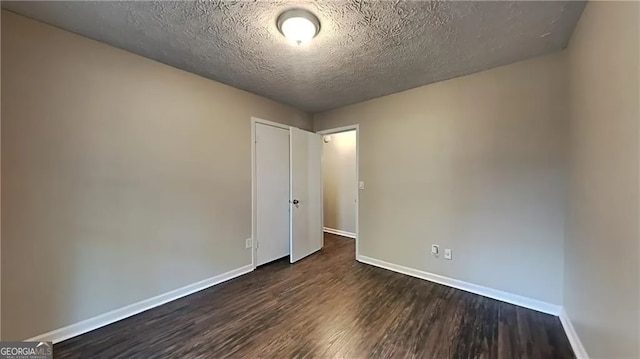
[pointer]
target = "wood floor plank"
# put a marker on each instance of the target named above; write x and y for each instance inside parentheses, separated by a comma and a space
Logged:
(327, 306)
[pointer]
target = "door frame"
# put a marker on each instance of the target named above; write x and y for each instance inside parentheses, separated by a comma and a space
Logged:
(254, 194)
(332, 131)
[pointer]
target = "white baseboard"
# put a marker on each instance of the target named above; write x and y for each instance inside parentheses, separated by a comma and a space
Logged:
(521, 301)
(576, 344)
(339, 232)
(101, 320)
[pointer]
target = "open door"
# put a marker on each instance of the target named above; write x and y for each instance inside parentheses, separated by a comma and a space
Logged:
(306, 236)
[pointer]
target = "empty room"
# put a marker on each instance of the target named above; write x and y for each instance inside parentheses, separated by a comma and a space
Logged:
(320, 179)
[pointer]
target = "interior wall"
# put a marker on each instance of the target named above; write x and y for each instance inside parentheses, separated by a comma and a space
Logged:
(339, 181)
(602, 284)
(475, 164)
(0, 191)
(122, 178)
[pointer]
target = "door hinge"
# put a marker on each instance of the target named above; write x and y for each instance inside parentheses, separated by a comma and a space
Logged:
(257, 244)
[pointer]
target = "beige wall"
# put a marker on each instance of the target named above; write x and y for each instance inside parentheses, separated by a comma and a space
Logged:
(122, 178)
(601, 285)
(475, 164)
(0, 192)
(339, 181)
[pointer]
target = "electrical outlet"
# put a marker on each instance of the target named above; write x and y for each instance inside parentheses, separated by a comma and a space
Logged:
(435, 250)
(447, 254)
(248, 243)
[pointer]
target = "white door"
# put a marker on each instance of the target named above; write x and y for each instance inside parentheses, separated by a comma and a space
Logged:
(306, 193)
(272, 193)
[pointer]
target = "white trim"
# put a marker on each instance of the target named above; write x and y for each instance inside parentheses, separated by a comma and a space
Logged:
(339, 232)
(331, 131)
(321, 190)
(253, 192)
(521, 301)
(254, 121)
(576, 344)
(101, 320)
(355, 127)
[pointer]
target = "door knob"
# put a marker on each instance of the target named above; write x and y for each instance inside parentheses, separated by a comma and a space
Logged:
(295, 201)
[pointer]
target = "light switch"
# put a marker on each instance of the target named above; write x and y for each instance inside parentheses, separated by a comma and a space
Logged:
(361, 185)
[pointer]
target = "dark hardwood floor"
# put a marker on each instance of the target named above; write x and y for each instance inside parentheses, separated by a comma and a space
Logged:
(327, 306)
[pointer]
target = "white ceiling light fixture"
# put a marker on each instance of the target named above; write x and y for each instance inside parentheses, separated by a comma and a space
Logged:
(298, 25)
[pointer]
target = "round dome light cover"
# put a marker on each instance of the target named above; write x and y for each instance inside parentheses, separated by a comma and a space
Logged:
(298, 25)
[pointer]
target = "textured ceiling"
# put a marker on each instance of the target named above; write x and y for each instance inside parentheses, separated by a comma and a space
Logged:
(365, 49)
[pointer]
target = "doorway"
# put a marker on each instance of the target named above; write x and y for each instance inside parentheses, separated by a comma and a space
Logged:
(340, 182)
